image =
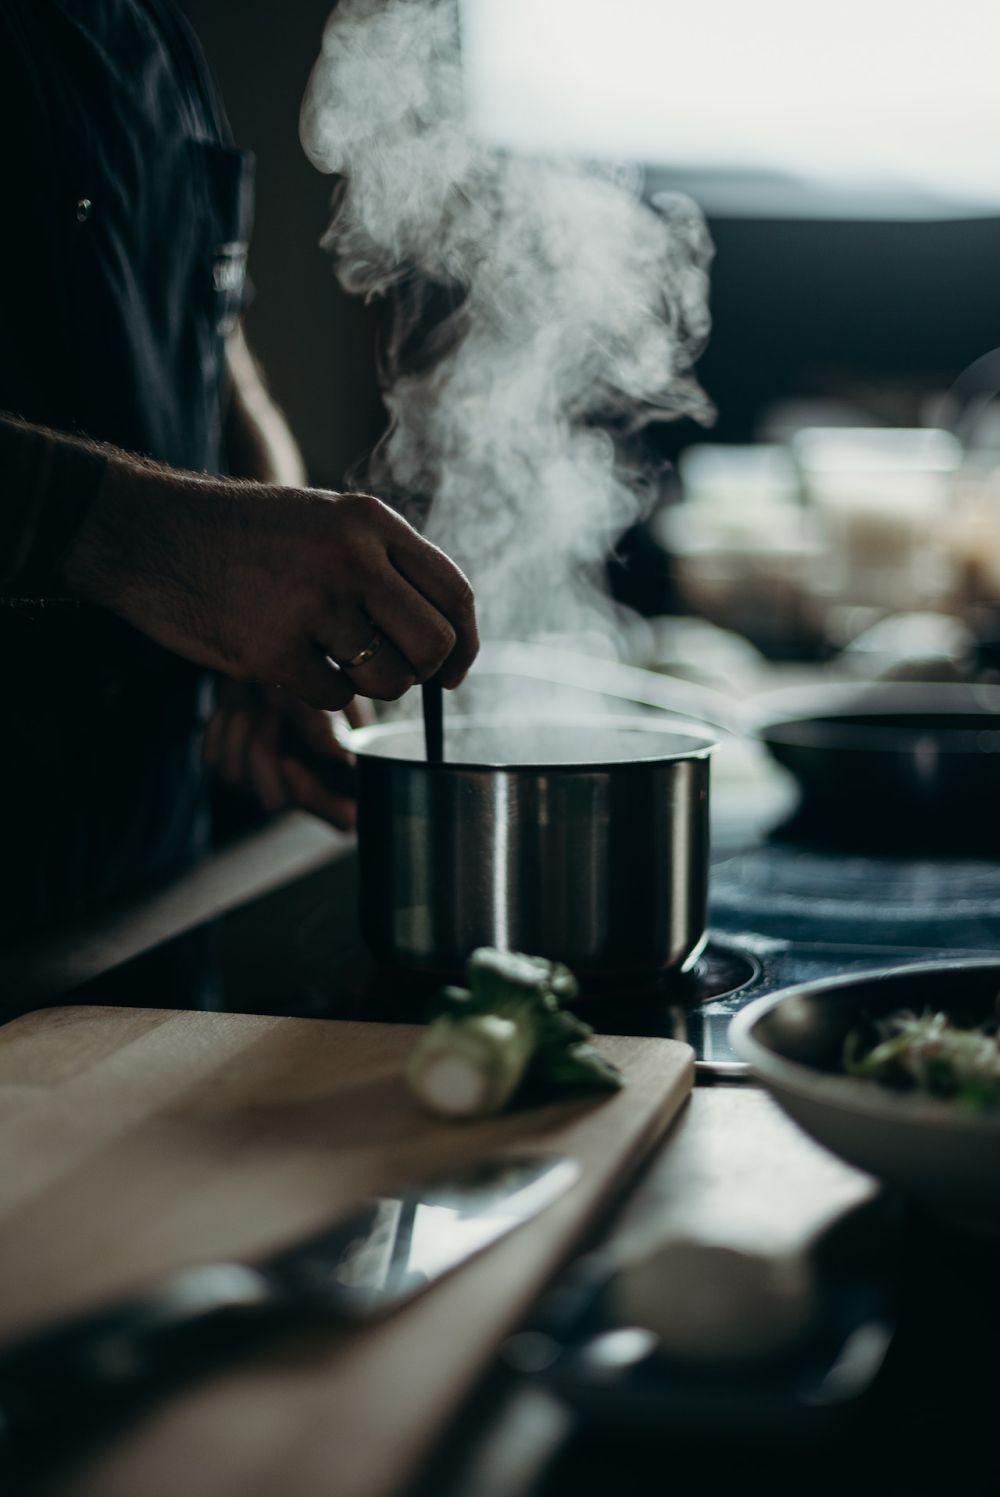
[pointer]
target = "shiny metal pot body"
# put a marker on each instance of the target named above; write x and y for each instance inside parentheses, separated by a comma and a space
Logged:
(603, 866)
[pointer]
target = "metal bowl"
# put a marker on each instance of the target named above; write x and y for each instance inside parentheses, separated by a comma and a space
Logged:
(584, 841)
(935, 1150)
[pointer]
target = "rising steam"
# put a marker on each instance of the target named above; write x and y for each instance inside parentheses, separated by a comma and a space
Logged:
(539, 310)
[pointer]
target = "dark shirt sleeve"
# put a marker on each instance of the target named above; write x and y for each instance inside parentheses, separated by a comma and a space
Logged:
(46, 487)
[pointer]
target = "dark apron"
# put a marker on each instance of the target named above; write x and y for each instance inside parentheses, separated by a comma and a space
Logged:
(121, 270)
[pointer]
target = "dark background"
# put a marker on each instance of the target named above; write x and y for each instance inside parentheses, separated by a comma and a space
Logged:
(316, 344)
(876, 312)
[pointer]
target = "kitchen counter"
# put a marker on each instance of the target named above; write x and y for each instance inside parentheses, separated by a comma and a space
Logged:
(733, 1167)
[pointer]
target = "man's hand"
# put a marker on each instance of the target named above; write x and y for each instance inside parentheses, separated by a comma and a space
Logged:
(279, 586)
(274, 747)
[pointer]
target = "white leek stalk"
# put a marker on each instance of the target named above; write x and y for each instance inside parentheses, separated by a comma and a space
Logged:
(469, 1067)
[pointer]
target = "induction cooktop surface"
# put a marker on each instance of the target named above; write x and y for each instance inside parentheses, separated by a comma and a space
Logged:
(780, 913)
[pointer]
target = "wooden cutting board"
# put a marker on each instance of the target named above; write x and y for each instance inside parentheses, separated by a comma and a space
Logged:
(140, 1140)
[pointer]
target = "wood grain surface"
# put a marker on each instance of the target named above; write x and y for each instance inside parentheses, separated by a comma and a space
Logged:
(139, 1140)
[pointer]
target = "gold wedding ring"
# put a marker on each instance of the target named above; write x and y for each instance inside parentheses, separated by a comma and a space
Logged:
(368, 653)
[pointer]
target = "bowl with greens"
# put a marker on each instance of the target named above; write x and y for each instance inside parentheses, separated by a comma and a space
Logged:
(897, 1071)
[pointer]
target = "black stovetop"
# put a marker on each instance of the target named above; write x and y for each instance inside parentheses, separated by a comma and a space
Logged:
(800, 912)
(781, 912)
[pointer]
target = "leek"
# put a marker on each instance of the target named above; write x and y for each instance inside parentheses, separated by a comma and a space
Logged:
(506, 1033)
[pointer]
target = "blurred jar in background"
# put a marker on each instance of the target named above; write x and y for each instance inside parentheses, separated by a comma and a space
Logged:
(882, 498)
(744, 549)
(971, 534)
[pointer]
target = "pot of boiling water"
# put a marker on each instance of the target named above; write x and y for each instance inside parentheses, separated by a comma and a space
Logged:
(584, 841)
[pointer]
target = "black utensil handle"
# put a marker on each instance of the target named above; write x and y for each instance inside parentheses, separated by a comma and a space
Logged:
(433, 705)
(81, 1369)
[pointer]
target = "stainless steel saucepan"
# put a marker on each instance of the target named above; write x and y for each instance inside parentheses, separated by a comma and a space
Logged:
(585, 841)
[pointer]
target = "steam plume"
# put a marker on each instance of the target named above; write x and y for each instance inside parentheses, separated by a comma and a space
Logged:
(539, 309)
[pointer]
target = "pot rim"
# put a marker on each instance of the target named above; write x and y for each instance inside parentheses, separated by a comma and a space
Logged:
(702, 745)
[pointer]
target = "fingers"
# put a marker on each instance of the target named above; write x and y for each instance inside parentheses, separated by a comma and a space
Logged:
(314, 677)
(232, 764)
(312, 742)
(309, 793)
(359, 713)
(386, 676)
(421, 634)
(246, 742)
(440, 581)
(242, 745)
(263, 763)
(317, 731)
(224, 745)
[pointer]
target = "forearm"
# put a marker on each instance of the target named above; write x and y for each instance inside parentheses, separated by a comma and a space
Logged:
(259, 440)
(264, 582)
(89, 520)
(48, 484)
(149, 531)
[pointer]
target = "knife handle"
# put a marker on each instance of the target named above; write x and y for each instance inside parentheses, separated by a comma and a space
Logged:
(90, 1368)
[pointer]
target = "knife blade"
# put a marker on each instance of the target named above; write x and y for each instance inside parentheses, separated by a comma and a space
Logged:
(77, 1374)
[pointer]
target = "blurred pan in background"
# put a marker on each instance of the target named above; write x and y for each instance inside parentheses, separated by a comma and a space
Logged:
(893, 764)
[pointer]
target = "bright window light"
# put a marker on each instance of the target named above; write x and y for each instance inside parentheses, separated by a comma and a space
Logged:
(902, 92)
